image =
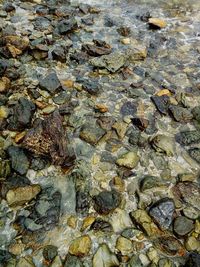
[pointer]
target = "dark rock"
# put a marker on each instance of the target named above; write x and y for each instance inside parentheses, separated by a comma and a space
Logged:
(169, 245)
(38, 163)
(196, 113)
(193, 260)
(8, 7)
(67, 26)
(91, 132)
(4, 168)
(162, 212)
(3, 67)
(5, 256)
(41, 23)
(141, 123)
(106, 201)
(180, 114)
(82, 202)
(73, 261)
(124, 31)
(47, 138)
(128, 108)
(98, 49)
(92, 87)
(188, 137)
(101, 225)
(50, 83)
(161, 103)
(195, 154)
(19, 160)
(21, 115)
(50, 252)
(59, 54)
(183, 226)
(79, 56)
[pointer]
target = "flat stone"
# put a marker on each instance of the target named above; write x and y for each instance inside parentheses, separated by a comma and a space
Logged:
(163, 144)
(183, 226)
(81, 246)
(129, 160)
(50, 83)
(188, 137)
(195, 154)
(169, 245)
(91, 132)
(19, 160)
(180, 114)
(124, 245)
(161, 103)
(104, 257)
(157, 23)
(20, 195)
(128, 108)
(150, 183)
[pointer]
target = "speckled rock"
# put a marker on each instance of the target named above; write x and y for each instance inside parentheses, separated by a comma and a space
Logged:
(19, 160)
(91, 132)
(188, 137)
(50, 252)
(180, 114)
(163, 144)
(128, 160)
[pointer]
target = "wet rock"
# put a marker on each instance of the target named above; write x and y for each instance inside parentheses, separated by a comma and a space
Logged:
(21, 115)
(101, 225)
(124, 31)
(180, 114)
(196, 113)
(16, 44)
(26, 261)
(47, 138)
(59, 54)
(183, 226)
(161, 103)
(193, 260)
(195, 154)
(188, 137)
(104, 257)
(50, 83)
(91, 132)
(20, 195)
(124, 245)
(19, 160)
(150, 182)
(162, 212)
(81, 246)
(106, 201)
(169, 245)
(112, 62)
(92, 87)
(73, 261)
(50, 252)
(128, 108)
(67, 26)
(156, 23)
(5, 168)
(163, 144)
(135, 262)
(98, 49)
(141, 123)
(128, 160)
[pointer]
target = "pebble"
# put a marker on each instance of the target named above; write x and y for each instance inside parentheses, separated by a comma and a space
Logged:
(129, 160)
(183, 226)
(81, 246)
(103, 257)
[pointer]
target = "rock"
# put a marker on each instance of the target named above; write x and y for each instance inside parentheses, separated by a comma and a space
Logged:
(67, 26)
(42, 23)
(81, 246)
(196, 113)
(5, 256)
(8, 7)
(169, 245)
(26, 261)
(150, 183)
(141, 123)
(50, 83)
(59, 53)
(72, 221)
(193, 260)
(124, 31)
(104, 257)
(135, 262)
(195, 154)
(20, 195)
(50, 252)
(138, 52)
(101, 225)
(120, 220)
(161, 103)
(57, 262)
(188, 137)
(4, 168)
(91, 132)
(98, 49)
(183, 226)
(163, 144)
(162, 212)
(157, 23)
(120, 127)
(19, 160)
(180, 114)
(4, 85)
(192, 244)
(166, 263)
(72, 261)
(124, 245)
(143, 220)
(21, 115)
(16, 44)
(126, 41)
(128, 108)
(112, 62)
(82, 202)
(47, 138)
(128, 160)
(3, 67)
(92, 87)
(106, 201)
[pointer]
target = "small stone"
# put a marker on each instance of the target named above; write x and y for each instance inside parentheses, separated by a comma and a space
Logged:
(162, 212)
(50, 83)
(57, 262)
(88, 221)
(72, 221)
(192, 243)
(124, 245)
(4, 85)
(151, 182)
(104, 257)
(180, 114)
(164, 92)
(26, 261)
(169, 245)
(183, 226)
(188, 137)
(81, 246)
(19, 160)
(135, 262)
(120, 128)
(118, 184)
(18, 43)
(163, 144)
(91, 132)
(98, 49)
(92, 87)
(16, 248)
(141, 123)
(166, 263)
(20, 195)
(48, 109)
(72, 261)
(128, 108)
(50, 252)
(101, 225)
(195, 154)
(67, 26)
(193, 260)
(196, 113)
(5, 169)
(120, 220)
(101, 107)
(106, 201)
(157, 23)
(126, 41)
(161, 103)
(135, 53)
(128, 160)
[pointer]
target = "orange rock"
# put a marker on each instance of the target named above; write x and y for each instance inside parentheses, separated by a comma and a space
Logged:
(164, 92)
(40, 104)
(101, 107)
(156, 22)
(67, 83)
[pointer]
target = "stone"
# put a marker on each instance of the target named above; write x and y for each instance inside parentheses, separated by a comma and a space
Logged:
(112, 62)
(5, 256)
(72, 221)
(128, 108)
(161, 103)
(98, 49)
(91, 132)
(180, 114)
(5, 168)
(47, 138)
(196, 113)
(21, 115)
(106, 201)
(169, 245)
(50, 83)
(120, 128)
(193, 260)
(163, 144)
(149, 183)
(16, 44)
(101, 225)
(166, 263)
(59, 53)
(57, 262)
(8, 7)
(195, 154)
(67, 26)
(188, 137)
(157, 23)
(19, 160)
(135, 262)
(81, 246)
(141, 123)
(120, 220)
(192, 244)
(135, 53)
(124, 245)
(92, 87)
(50, 252)
(162, 212)
(104, 257)
(73, 261)
(4, 85)
(183, 226)
(20, 195)
(26, 261)
(129, 160)
(124, 31)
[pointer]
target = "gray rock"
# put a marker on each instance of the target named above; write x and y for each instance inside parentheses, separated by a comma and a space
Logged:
(91, 132)
(50, 83)
(180, 114)
(183, 226)
(128, 108)
(161, 103)
(4, 168)
(104, 257)
(67, 26)
(193, 260)
(50, 252)
(135, 262)
(195, 154)
(150, 182)
(19, 160)
(73, 261)
(163, 144)
(196, 113)
(162, 212)
(188, 137)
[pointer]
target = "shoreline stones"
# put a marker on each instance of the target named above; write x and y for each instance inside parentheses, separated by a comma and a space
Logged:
(81, 246)
(128, 160)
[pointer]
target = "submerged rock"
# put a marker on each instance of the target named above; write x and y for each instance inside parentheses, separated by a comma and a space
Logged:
(104, 257)
(81, 246)
(183, 225)
(47, 138)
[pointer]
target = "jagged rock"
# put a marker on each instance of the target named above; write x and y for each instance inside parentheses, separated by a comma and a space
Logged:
(195, 153)
(188, 137)
(104, 257)
(81, 246)
(67, 26)
(50, 83)
(180, 114)
(19, 160)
